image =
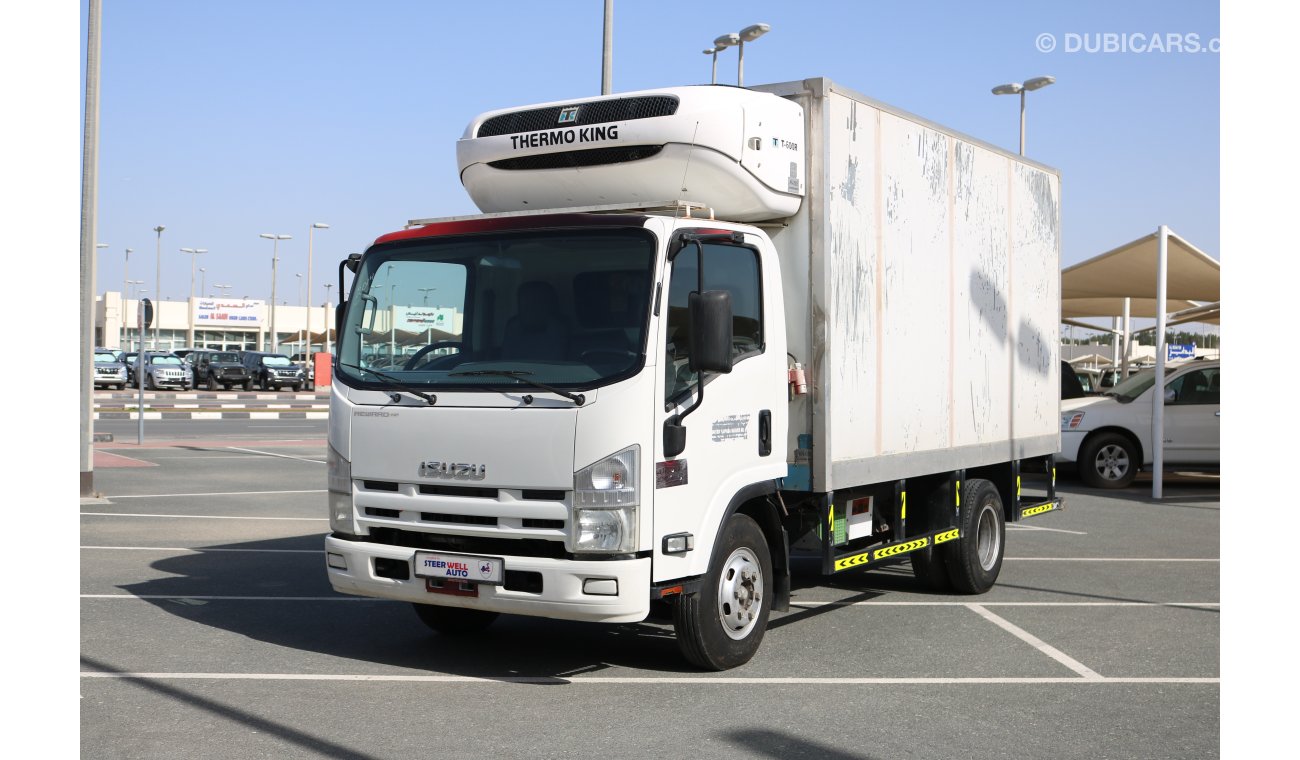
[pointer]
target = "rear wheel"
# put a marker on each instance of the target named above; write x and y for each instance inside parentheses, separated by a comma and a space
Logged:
(722, 625)
(454, 621)
(975, 559)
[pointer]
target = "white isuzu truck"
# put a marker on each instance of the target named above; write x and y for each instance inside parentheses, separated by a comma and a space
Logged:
(697, 334)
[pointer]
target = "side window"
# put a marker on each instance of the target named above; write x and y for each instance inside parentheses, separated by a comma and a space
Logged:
(1199, 386)
(726, 267)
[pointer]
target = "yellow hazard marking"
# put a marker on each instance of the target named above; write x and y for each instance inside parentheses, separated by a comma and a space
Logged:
(1037, 510)
(947, 535)
(959, 493)
(910, 546)
(854, 561)
(904, 505)
(1017, 486)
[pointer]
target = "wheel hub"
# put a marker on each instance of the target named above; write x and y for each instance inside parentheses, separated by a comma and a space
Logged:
(740, 594)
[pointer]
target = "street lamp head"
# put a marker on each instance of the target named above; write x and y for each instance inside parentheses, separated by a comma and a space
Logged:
(727, 40)
(159, 229)
(751, 33)
(711, 51)
(129, 251)
(320, 226)
(101, 245)
(1038, 83)
(1008, 89)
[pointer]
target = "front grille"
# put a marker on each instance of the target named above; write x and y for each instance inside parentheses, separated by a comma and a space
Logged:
(533, 522)
(460, 519)
(600, 112)
(523, 547)
(466, 491)
(578, 158)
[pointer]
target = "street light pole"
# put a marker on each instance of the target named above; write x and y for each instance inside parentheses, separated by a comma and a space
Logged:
(203, 282)
(157, 284)
(326, 309)
(1020, 88)
(126, 269)
(275, 258)
(713, 51)
(194, 255)
(748, 34)
(315, 226)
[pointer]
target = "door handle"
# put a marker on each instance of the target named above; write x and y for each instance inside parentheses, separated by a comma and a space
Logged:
(765, 432)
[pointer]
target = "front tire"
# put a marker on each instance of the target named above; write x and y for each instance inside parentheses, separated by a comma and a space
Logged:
(721, 626)
(454, 621)
(975, 559)
(1108, 460)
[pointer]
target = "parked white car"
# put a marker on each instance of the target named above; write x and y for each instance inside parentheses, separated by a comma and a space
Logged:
(1109, 436)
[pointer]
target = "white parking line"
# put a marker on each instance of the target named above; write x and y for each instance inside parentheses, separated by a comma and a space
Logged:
(1052, 530)
(203, 517)
(1037, 643)
(273, 454)
(637, 680)
(1110, 559)
(812, 605)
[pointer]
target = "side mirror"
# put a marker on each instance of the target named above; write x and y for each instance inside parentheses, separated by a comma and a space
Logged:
(674, 437)
(711, 331)
(1170, 396)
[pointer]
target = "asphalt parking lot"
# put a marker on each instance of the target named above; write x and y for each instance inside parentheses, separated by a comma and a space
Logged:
(209, 629)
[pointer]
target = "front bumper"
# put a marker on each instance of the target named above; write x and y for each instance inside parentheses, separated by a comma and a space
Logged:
(1071, 440)
(561, 596)
(179, 382)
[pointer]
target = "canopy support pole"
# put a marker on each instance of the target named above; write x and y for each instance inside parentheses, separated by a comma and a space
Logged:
(1158, 390)
(1127, 338)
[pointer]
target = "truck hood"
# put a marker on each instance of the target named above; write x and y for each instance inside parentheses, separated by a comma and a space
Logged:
(468, 447)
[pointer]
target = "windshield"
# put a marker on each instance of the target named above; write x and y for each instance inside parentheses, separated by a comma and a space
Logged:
(276, 361)
(566, 308)
(1134, 386)
(105, 357)
(225, 358)
(176, 360)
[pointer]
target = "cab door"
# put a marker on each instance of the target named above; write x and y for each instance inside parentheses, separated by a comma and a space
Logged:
(735, 433)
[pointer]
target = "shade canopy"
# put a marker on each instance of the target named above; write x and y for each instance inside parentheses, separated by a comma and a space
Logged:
(1097, 287)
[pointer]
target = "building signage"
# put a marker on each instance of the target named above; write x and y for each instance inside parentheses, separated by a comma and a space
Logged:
(422, 318)
(228, 312)
(1179, 351)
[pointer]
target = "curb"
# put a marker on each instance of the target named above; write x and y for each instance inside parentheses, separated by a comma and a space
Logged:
(298, 415)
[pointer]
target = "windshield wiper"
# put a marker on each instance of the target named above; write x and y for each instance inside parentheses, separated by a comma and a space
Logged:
(396, 384)
(521, 376)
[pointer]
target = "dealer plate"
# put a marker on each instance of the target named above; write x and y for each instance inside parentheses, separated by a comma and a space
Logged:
(460, 567)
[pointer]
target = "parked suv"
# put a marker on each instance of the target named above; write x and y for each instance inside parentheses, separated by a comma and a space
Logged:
(109, 369)
(1109, 436)
(219, 369)
(270, 371)
(164, 370)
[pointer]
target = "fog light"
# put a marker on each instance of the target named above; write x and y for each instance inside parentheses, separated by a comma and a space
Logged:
(600, 586)
(336, 561)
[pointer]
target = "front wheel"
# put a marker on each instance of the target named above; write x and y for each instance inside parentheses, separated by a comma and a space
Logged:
(721, 626)
(1108, 460)
(454, 621)
(975, 559)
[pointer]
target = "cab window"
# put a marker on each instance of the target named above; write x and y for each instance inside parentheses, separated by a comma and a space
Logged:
(726, 267)
(1200, 386)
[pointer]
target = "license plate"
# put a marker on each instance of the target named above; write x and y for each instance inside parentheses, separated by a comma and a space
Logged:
(460, 567)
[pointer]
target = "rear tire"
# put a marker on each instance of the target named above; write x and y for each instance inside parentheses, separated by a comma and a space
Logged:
(721, 625)
(454, 621)
(975, 559)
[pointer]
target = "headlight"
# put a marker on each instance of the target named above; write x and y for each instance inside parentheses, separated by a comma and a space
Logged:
(605, 499)
(1071, 420)
(338, 482)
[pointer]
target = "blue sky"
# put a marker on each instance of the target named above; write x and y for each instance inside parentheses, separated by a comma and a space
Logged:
(225, 120)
